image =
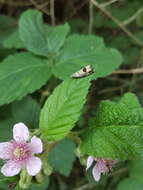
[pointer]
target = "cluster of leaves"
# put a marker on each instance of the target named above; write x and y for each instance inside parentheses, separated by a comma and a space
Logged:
(49, 51)
(34, 54)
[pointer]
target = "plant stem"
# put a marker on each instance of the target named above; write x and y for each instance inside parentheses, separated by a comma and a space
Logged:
(52, 11)
(90, 28)
(108, 3)
(131, 71)
(133, 17)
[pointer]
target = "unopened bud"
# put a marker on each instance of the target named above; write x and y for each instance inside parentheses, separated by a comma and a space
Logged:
(25, 180)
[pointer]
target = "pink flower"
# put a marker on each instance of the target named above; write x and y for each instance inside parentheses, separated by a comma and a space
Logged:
(101, 166)
(19, 154)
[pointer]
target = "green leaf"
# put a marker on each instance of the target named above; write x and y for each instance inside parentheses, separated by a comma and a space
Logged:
(56, 37)
(116, 142)
(7, 26)
(117, 130)
(21, 74)
(63, 107)
(29, 114)
(129, 184)
(81, 50)
(62, 156)
(6, 129)
(106, 61)
(6, 123)
(120, 113)
(39, 38)
(13, 41)
(77, 52)
(136, 169)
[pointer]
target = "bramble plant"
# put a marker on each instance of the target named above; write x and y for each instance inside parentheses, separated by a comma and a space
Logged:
(48, 133)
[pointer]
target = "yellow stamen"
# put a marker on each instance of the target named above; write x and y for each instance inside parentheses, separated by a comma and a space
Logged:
(18, 152)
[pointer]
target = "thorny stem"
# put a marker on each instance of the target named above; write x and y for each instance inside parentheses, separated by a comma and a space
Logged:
(115, 20)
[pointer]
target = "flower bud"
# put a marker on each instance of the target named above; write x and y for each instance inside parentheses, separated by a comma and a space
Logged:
(25, 180)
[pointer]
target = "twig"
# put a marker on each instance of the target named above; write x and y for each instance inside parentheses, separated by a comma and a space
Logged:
(131, 71)
(115, 20)
(77, 8)
(133, 17)
(90, 17)
(108, 3)
(40, 7)
(52, 11)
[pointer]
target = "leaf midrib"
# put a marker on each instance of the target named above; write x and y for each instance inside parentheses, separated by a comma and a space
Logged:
(20, 70)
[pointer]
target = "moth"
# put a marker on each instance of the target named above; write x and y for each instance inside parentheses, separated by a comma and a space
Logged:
(85, 71)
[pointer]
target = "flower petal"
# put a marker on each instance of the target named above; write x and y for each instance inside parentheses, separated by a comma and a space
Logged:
(33, 166)
(5, 150)
(89, 162)
(96, 173)
(36, 145)
(20, 132)
(102, 165)
(10, 168)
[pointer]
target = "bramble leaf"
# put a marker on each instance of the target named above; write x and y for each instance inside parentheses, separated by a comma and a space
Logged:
(127, 111)
(38, 37)
(115, 141)
(62, 156)
(62, 109)
(20, 74)
(29, 114)
(13, 40)
(117, 130)
(82, 50)
(129, 184)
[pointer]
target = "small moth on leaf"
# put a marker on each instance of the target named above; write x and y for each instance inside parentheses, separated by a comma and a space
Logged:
(85, 71)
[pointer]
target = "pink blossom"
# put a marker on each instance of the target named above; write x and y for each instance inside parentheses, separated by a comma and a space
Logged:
(19, 153)
(101, 166)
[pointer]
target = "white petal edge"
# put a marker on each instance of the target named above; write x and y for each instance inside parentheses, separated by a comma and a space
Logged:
(96, 173)
(20, 132)
(10, 169)
(5, 150)
(89, 162)
(33, 166)
(36, 145)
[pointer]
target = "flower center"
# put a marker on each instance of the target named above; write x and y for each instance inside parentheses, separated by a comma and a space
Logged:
(21, 152)
(18, 152)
